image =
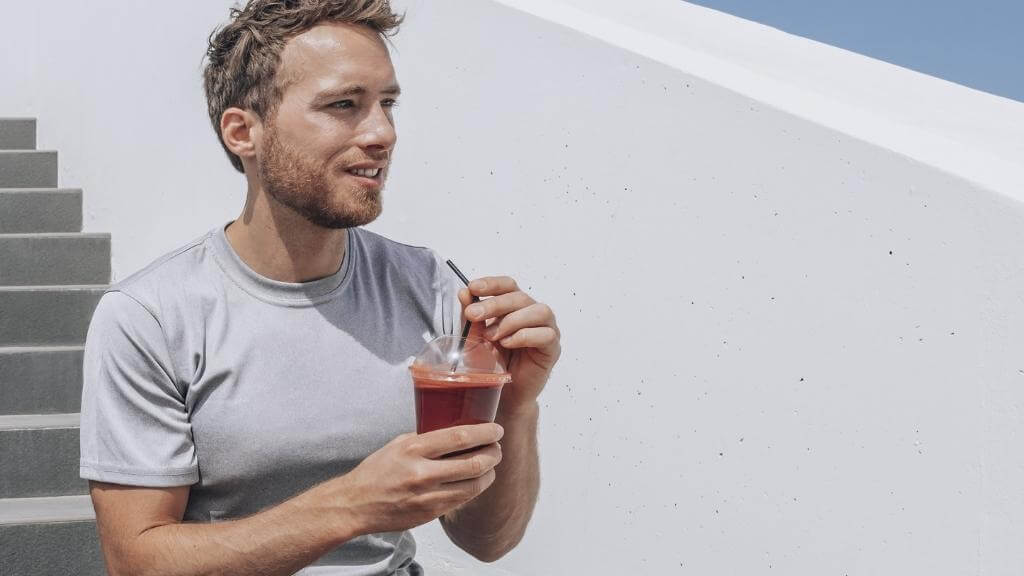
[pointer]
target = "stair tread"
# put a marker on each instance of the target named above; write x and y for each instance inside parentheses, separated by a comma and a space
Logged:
(39, 421)
(47, 509)
(31, 349)
(31, 190)
(29, 151)
(54, 287)
(97, 235)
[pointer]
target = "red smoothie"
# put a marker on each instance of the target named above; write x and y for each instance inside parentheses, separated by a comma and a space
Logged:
(455, 399)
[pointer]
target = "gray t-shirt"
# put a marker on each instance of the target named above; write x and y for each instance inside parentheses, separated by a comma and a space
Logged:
(200, 372)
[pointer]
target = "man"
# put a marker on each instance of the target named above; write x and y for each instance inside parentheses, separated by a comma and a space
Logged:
(247, 407)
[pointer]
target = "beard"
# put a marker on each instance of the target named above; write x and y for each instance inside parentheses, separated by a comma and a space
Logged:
(309, 188)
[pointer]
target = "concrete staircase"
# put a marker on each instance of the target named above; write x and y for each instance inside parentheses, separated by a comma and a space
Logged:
(51, 277)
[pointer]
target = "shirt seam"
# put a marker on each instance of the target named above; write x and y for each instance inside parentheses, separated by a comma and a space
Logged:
(292, 303)
(160, 326)
(136, 471)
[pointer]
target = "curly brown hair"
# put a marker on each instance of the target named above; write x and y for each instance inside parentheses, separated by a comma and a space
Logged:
(243, 56)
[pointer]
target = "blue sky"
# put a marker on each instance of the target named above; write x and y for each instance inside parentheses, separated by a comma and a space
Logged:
(977, 43)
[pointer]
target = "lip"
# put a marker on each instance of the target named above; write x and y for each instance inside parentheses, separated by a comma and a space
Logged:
(368, 182)
(367, 165)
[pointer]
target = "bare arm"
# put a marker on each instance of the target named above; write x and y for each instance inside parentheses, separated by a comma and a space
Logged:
(526, 330)
(142, 533)
(491, 525)
(402, 485)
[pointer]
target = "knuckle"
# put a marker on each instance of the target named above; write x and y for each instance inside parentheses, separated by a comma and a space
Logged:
(545, 310)
(485, 481)
(458, 436)
(412, 445)
(418, 477)
(476, 466)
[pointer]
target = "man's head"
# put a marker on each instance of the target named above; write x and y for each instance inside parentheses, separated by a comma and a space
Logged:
(300, 93)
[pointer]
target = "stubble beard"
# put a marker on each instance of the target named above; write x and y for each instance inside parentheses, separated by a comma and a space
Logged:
(305, 186)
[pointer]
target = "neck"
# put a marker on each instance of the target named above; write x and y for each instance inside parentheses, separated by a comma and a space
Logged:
(279, 244)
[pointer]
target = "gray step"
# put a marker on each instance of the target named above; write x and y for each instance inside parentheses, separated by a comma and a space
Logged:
(49, 537)
(28, 169)
(40, 380)
(17, 133)
(46, 315)
(25, 210)
(54, 259)
(44, 452)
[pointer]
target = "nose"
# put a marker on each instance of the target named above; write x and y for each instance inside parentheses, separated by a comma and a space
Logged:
(377, 130)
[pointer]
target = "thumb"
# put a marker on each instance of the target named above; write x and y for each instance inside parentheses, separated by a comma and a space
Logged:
(476, 329)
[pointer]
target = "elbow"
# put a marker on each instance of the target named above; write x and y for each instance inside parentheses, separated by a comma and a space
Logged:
(128, 558)
(493, 550)
(117, 565)
(120, 565)
(490, 555)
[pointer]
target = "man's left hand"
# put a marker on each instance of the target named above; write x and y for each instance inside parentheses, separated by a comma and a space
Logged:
(522, 329)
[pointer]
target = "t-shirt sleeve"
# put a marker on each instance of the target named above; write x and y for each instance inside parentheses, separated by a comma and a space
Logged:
(447, 309)
(135, 428)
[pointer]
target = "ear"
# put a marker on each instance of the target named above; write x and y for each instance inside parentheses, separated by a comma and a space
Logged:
(240, 130)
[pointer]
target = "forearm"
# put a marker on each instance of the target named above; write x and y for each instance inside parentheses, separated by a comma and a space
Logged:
(494, 522)
(279, 540)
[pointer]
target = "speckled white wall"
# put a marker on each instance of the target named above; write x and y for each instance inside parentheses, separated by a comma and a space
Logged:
(786, 351)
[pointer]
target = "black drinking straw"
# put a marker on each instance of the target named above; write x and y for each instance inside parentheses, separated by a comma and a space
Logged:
(465, 329)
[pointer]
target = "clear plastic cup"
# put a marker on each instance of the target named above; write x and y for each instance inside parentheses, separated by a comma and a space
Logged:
(457, 381)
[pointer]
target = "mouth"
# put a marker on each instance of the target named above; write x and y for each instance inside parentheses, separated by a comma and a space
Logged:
(366, 172)
(368, 176)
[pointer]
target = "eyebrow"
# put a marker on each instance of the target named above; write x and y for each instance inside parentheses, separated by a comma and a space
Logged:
(357, 90)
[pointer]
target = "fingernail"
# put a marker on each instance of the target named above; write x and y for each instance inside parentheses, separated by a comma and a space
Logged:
(478, 284)
(474, 310)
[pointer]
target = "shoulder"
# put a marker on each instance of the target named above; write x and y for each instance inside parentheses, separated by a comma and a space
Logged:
(167, 278)
(383, 254)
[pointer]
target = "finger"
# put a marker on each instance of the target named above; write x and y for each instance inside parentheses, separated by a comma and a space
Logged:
(447, 440)
(468, 465)
(533, 316)
(465, 297)
(456, 493)
(544, 339)
(498, 306)
(493, 286)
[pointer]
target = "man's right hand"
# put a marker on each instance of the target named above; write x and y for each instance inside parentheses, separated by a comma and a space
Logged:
(410, 482)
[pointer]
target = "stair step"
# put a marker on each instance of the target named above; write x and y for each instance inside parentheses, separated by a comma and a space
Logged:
(46, 315)
(28, 169)
(54, 259)
(24, 210)
(40, 380)
(47, 509)
(46, 452)
(49, 537)
(17, 133)
(40, 421)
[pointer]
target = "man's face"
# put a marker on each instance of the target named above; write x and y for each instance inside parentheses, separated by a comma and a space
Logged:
(334, 120)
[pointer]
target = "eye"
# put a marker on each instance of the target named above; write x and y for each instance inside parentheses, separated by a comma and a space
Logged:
(389, 103)
(341, 104)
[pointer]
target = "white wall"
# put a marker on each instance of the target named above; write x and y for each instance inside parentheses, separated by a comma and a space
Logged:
(752, 383)
(117, 90)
